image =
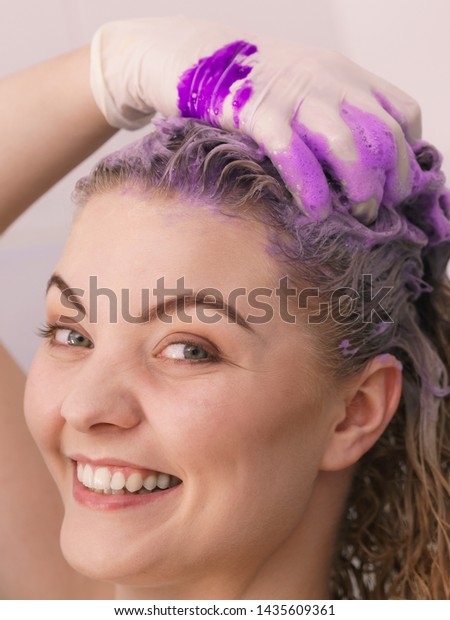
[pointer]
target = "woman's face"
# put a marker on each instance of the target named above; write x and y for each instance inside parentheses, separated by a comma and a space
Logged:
(239, 414)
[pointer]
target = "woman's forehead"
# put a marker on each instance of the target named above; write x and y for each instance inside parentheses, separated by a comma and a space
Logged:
(126, 238)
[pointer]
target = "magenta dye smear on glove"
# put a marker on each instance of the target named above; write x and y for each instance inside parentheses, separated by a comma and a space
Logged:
(203, 88)
(240, 99)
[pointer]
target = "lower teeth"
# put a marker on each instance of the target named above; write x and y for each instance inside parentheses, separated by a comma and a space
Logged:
(141, 491)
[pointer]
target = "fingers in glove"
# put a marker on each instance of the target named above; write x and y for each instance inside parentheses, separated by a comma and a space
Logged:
(304, 176)
(383, 165)
(410, 117)
(379, 168)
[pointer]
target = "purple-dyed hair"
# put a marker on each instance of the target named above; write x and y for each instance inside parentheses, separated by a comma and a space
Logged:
(394, 539)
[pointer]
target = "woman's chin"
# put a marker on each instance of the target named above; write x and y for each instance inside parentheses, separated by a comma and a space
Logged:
(105, 560)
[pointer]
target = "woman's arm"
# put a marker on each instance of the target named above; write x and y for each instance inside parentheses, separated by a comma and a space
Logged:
(49, 123)
(31, 562)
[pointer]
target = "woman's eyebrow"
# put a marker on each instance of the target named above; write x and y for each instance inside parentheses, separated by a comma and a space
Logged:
(68, 292)
(163, 308)
(182, 302)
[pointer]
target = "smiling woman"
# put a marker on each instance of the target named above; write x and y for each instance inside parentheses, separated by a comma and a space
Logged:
(237, 445)
(240, 396)
(138, 399)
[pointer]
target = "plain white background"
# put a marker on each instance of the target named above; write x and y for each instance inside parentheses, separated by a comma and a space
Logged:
(405, 41)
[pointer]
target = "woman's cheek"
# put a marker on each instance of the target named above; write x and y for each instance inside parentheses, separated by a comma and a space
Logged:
(216, 422)
(41, 403)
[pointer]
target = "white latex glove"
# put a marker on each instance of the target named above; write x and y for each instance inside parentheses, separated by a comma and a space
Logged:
(302, 105)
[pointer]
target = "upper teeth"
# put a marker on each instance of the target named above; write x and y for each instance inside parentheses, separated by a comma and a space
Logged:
(103, 479)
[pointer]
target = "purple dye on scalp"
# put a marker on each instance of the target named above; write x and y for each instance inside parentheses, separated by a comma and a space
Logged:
(382, 327)
(423, 219)
(345, 346)
(203, 88)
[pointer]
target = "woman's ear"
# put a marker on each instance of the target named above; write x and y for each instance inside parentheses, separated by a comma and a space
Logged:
(370, 403)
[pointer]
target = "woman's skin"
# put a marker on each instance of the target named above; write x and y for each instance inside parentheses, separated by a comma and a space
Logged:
(50, 123)
(259, 436)
(263, 441)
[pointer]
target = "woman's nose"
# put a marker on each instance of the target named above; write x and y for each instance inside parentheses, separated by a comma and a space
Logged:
(101, 394)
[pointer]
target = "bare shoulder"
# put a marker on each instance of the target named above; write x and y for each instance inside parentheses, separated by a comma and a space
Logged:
(31, 563)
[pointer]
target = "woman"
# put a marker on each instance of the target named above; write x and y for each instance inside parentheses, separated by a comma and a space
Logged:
(297, 472)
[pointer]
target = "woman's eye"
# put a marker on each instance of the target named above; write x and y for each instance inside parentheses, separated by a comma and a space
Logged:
(67, 337)
(187, 351)
(72, 338)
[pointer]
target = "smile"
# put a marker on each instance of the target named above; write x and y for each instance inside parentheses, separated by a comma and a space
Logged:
(114, 480)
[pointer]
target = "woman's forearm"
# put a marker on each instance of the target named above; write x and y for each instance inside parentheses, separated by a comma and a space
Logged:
(31, 562)
(49, 124)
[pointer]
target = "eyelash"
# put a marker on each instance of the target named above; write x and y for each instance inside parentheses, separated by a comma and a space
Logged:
(47, 331)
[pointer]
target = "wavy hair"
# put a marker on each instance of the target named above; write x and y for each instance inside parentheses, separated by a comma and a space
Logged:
(394, 536)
